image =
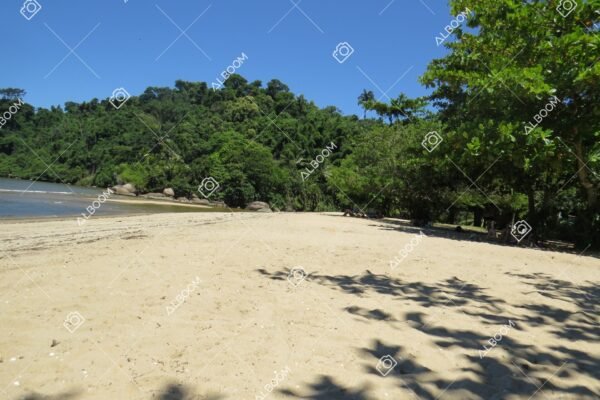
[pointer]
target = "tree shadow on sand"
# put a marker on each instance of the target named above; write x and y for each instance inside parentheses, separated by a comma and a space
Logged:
(325, 388)
(485, 378)
(177, 391)
(586, 297)
(520, 369)
(452, 292)
(405, 226)
(171, 391)
(69, 395)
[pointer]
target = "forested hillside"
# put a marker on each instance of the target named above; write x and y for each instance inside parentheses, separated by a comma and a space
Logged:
(247, 137)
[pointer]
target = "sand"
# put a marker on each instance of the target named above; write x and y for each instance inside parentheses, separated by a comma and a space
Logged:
(199, 306)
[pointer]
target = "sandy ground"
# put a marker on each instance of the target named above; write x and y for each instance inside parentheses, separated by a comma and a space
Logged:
(199, 306)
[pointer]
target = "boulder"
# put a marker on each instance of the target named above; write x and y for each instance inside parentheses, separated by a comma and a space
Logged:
(169, 192)
(258, 206)
(183, 200)
(120, 190)
(129, 187)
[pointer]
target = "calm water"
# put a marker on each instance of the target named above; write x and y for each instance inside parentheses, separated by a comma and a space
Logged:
(26, 199)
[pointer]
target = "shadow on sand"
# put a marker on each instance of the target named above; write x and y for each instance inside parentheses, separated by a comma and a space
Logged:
(523, 370)
(399, 225)
(171, 391)
(70, 395)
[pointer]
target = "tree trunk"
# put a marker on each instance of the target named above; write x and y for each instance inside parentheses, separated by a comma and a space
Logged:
(531, 214)
(583, 175)
(477, 217)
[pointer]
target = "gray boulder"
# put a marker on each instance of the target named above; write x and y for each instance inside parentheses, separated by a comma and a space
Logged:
(124, 190)
(169, 192)
(129, 187)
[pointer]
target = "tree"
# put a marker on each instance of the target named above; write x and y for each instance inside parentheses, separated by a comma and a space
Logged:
(12, 94)
(388, 171)
(406, 109)
(516, 58)
(365, 100)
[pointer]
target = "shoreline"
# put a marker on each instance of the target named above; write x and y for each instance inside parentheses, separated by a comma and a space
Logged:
(158, 207)
(167, 202)
(138, 199)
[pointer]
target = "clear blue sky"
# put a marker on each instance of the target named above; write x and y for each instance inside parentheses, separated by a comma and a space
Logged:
(129, 37)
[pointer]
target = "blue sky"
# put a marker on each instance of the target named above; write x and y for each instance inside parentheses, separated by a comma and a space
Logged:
(122, 43)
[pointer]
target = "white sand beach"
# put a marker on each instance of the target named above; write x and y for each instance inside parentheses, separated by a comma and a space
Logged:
(199, 306)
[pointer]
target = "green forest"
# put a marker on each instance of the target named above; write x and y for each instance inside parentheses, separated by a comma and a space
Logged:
(509, 131)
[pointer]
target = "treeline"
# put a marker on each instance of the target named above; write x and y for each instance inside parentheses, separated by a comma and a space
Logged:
(510, 132)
